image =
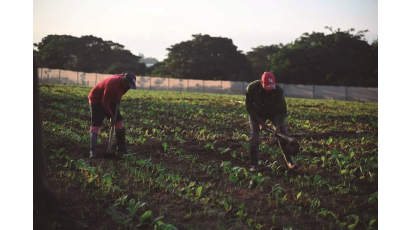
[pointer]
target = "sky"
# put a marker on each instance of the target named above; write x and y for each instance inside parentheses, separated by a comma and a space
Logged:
(150, 27)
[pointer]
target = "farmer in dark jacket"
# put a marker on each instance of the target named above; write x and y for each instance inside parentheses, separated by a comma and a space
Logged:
(103, 100)
(265, 101)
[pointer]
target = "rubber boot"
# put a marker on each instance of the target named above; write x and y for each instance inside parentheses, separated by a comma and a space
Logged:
(93, 145)
(254, 152)
(289, 162)
(120, 136)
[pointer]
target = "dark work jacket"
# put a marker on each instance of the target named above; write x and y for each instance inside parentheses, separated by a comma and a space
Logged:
(262, 103)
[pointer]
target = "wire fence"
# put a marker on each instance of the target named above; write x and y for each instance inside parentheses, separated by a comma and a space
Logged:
(343, 93)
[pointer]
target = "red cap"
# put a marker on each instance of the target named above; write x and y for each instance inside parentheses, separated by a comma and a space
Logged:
(268, 81)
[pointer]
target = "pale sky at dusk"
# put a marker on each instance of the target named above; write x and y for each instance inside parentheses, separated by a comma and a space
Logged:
(149, 27)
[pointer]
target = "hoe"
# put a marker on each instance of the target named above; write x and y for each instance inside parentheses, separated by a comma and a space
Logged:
(289, 147)
(109, 153)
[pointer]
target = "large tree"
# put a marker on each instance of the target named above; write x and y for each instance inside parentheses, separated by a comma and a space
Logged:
(57, 52)
(260, 57)
(339, 58)
(207, 58)
(86, 54)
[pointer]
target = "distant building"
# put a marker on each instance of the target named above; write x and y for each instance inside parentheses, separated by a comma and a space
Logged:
(148, 61)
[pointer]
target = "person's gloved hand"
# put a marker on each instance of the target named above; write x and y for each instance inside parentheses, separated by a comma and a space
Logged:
(262, 126)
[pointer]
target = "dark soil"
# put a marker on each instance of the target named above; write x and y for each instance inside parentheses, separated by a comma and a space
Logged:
(79, 208)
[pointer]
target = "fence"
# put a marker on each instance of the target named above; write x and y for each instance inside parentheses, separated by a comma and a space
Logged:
(343, 93)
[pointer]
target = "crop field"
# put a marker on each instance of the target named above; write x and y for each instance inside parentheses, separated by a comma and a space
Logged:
(190, 169)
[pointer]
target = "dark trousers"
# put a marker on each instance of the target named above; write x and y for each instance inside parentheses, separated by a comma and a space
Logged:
(98, 113)
(279, 121)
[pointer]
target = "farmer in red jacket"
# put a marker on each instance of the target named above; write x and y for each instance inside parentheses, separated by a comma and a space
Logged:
(103, 100)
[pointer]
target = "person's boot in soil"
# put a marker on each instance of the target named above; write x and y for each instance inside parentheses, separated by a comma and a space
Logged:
(253, 152)
(93, 145)
(289, 162)
(121, 146)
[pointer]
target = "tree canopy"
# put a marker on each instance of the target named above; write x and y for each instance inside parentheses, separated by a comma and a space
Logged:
(206, 57)
(87, 54)
(260, 57)
(340, 58)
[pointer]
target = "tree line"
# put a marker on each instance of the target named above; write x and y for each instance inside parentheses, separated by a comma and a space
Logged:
(340, 58)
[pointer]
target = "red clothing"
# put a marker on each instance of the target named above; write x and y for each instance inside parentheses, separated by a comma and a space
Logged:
(107, 91)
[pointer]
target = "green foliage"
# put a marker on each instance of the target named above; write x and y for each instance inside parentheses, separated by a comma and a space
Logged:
(207, 58)
(260, 57)
(187, 159)
(86, 54)
(339, 59)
